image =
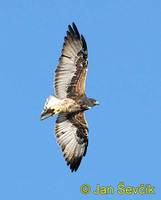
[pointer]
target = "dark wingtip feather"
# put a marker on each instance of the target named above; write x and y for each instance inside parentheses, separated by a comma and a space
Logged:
(75, 164)
(84, 43)
(85, 151)
(76, 30)
(73, 24)
(71, 30)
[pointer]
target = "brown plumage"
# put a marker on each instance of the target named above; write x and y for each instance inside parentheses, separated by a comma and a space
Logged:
(73, 65)
(71, 101)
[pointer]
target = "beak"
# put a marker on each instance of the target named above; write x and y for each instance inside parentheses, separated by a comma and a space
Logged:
(97, 103)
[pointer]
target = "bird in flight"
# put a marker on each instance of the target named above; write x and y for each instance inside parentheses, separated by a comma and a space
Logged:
(70, 100)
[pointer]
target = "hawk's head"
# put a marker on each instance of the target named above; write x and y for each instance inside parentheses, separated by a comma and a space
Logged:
(92, 102)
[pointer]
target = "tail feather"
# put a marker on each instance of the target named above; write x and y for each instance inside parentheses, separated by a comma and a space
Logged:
(51, 107)
(46, 113)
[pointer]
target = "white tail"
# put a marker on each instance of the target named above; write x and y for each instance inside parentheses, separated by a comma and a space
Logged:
(51, 107)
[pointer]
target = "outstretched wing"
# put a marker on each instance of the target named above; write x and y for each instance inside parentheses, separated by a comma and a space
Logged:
(70, 75)
(72, 136)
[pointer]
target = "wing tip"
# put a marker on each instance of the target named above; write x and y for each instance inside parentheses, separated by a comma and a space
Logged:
(73, 28)
(84, 43)
(75, 164)
(73, 32)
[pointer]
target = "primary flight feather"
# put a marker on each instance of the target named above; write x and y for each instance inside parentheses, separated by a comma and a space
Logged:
(70, 100)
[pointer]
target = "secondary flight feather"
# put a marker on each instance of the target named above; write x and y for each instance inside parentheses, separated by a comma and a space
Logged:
(70, 100)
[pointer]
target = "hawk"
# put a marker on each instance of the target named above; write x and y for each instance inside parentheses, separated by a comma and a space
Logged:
(70, 100)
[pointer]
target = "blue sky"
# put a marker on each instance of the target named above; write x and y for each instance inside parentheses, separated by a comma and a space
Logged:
(124, 43)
